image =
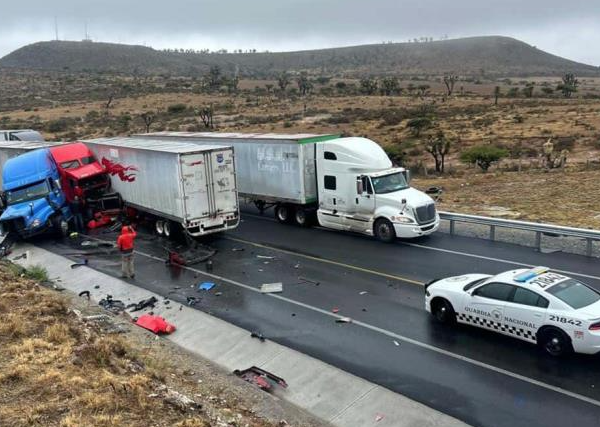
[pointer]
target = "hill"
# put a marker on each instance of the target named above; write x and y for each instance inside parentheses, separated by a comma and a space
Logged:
(475, 56)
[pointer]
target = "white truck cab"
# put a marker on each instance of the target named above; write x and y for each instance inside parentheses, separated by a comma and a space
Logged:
(360, 191)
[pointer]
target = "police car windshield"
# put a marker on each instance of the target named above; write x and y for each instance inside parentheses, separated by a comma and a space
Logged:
(574, 293)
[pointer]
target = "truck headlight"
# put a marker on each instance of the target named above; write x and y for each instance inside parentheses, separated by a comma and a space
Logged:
(403, 219)
(36, 223)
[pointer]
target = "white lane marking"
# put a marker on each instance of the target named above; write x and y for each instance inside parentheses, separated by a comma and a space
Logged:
(466, 254)
(396, 336)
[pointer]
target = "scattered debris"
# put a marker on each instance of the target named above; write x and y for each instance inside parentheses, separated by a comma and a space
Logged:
(396, 343)
(149, 302)
(363, 293)
(206, 286)
(378, 418)
(80, 264)
(97, 287)
(261, 378)
(176, 399)
(218, 294)
(113, 305)
(155, 324)
(343, 320)
(22, 256)
(304, 280)
(265, 257)
(238, 249)
(84, 294)
(269, 288)
(209, 265)
(335, 310)
(105, 323)
(258, 335)
(175, 259)
(192, 301)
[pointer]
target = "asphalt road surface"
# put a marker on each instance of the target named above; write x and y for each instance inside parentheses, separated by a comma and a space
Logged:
(479, 377)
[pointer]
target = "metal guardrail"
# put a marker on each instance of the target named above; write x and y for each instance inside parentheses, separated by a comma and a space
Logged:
(538, 228)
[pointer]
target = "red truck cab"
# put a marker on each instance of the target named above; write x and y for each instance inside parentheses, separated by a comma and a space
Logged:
(80, 172)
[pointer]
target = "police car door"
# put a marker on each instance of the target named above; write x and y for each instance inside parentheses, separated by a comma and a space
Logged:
(524, 314)
(484, 306)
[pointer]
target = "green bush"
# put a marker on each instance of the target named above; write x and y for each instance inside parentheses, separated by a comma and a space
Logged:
(483, 156)
(176, 108)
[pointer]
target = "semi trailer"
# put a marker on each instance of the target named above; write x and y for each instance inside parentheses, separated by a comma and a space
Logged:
(340, 183)
(20, 135)
(176, 185)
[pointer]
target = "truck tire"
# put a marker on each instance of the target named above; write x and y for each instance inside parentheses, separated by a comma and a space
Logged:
(283, 213)
(302, 217)
(61, 226)
(167, 228)
(384, 230)
(159, 226)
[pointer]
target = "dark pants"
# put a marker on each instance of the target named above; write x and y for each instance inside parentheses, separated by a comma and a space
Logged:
(79, 225)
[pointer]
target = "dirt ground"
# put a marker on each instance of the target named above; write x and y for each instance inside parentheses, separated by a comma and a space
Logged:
(58, 367)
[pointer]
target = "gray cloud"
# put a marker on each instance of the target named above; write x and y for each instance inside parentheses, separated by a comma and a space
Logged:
(570, 29)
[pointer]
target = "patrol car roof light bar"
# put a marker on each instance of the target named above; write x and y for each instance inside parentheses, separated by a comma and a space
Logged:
(530, 274)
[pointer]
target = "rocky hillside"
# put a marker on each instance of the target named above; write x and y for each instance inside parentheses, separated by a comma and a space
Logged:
(477, 56)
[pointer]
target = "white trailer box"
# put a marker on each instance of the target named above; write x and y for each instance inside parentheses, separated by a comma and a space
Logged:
(173, 182)
(10, 149)
(274, 167)
(21, 135)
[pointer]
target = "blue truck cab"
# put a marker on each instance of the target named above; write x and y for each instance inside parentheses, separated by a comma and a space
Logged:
(35, 203)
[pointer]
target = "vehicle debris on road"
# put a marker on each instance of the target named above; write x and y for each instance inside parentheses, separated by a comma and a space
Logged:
(149, 302)
(206, 286)
(192, 300)
(113, 305)
(261, 378)
(269, 288)
(343, 320)
(80, 264)
(258, 335)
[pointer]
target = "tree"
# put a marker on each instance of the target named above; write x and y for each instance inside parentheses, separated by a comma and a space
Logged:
(423, 89)
(214, 77)
(232, 84)
(528, 90)
(269, 88)
(283, 81)
(206, 115)
(497, 93)
(107, 105)
(569, 85)
(418, 124)
(450, 81)
(483, 156)
(304, 85)
(148, 118)
(438, 147)
(390, 86)
(368, 85)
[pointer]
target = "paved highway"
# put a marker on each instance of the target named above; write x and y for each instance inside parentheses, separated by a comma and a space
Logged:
(476, 376)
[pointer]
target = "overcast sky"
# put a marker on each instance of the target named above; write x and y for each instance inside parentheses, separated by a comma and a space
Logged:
(566, 28)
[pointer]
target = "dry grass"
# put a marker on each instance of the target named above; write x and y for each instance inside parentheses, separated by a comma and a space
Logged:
(56, 370)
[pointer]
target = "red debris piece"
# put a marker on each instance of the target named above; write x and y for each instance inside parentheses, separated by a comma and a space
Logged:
(100, 220)
(156, 324)
(176, 259)
(261, 378)
(335, 310)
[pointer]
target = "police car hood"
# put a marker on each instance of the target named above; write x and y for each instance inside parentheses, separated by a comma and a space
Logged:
(458, 282)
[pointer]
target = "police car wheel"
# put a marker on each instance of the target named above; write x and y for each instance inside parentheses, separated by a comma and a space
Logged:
(443, 312)
(555, 342)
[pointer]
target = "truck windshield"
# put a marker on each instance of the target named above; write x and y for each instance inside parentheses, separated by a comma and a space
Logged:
(25, 194)
(389, 183)
(71, 164)
(574, 293)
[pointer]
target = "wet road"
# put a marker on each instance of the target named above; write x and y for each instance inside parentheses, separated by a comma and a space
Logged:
(479, 377)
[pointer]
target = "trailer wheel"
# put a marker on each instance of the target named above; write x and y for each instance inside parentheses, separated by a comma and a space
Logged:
(283, 213)
(160, 227)
(302, 217)
(167, 228)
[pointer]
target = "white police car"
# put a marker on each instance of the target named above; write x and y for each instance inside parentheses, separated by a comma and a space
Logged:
(557, 312)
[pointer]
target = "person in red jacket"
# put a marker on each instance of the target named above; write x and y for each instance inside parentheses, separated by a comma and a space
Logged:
(125, 244)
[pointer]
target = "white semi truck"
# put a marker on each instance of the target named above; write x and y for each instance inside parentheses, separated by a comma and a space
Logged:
(343, 183)
(174, 184)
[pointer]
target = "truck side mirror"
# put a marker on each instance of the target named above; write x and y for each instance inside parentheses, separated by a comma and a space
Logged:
(403, 205)
(57, 182)
(359, 186)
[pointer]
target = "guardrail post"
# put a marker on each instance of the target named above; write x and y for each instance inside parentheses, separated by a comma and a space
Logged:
(451, 226)
(538, 240)
(492, 232)
(589, 248)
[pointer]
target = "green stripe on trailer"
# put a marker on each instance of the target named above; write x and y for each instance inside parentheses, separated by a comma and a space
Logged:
(319, 138)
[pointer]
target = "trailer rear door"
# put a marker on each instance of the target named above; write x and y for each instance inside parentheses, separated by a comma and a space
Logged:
(222, 184)
(195, 186)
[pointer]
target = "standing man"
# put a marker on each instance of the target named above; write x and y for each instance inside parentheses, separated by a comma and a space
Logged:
(76, 210)
(125, 244)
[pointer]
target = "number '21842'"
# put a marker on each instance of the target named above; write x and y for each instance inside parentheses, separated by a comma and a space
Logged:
(555, 318)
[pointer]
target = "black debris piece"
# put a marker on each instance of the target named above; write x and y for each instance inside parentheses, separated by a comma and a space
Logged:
(262, 379)
(192, 301)
(304, 280)
(209, 265)
(97, 287)
(238, 249)
(22, 256)
(149, 302)
(113, 305)
(258, 335)
(80, 264)
(85, 294)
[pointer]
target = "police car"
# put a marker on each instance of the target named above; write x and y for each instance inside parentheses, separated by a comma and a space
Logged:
(557, 312)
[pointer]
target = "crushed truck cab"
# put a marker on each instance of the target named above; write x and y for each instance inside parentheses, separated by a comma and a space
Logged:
(32, 190)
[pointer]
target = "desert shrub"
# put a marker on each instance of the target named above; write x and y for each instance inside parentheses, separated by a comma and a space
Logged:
(419, 124)
(176, 108)
(395, 153)
(58, 125)
(483, 155)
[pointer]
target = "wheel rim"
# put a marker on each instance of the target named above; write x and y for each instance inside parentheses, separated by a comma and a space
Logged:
(441, 313)
(554, 345)
(160, 227)
(282, 213)
(384, 231)
(300, 217)
(167, 228)
(64, 227)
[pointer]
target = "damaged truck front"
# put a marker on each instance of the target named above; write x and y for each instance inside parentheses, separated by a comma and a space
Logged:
(35, 203)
